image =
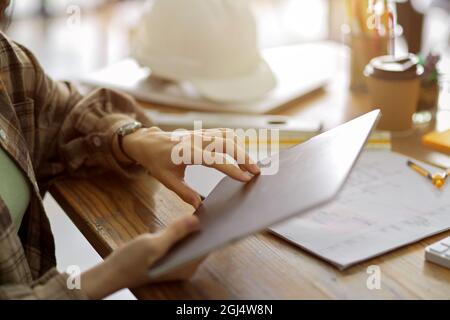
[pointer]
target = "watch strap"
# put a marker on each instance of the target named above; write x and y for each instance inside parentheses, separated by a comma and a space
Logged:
(125, 130)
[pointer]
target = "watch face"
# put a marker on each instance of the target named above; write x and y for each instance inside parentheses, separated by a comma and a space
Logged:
(129, 128)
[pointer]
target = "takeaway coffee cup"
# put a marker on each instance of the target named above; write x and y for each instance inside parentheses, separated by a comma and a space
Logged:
(394, 87)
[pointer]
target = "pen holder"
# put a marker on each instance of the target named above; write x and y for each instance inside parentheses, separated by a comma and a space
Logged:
(363, 48)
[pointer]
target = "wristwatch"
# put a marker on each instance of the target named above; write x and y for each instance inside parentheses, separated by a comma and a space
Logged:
(125, 130)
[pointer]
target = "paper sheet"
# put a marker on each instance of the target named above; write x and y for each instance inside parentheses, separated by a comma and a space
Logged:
(384, 205)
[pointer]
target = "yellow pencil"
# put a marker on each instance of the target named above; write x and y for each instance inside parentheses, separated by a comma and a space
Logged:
(438, 179)
(419, 169)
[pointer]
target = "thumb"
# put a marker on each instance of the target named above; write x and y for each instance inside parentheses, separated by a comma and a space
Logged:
(176, 231)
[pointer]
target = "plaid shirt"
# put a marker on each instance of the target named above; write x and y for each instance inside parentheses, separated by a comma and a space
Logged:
(50, 130)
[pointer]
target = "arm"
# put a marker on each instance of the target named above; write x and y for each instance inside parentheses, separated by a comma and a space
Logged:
(74, 134)
(78, 132)
(124, 268)
(79, 137)
(69, 133)
(52, 285)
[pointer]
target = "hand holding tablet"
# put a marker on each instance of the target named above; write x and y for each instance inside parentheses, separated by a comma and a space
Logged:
(310, 175)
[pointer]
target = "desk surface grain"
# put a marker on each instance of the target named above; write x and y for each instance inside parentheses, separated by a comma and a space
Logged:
(261, 266)
(110, 211)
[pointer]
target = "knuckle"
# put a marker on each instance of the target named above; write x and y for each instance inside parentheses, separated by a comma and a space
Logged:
(192, 199)
(147, 243)
(178, 227)
(151, 245)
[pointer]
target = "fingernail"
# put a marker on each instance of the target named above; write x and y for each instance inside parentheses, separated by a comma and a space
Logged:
(256, 169)
(198, 202)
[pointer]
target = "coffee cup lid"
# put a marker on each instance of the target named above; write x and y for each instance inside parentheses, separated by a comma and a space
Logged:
(394, 68)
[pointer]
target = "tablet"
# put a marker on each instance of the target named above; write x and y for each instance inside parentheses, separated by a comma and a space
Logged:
(309, 175)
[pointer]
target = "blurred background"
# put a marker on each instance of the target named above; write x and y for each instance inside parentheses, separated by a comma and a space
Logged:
(74, 37)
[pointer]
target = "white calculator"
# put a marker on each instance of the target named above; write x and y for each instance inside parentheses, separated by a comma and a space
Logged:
(439, 253)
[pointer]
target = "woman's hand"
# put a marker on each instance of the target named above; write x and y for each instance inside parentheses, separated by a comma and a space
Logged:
(127, 267)
(160, 152)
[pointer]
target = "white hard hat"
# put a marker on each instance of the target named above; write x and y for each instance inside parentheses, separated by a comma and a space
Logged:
(211, 43)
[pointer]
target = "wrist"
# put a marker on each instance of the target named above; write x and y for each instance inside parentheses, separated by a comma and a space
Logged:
(126, 154)
(132, 144)
(100, 281)
(135, 143)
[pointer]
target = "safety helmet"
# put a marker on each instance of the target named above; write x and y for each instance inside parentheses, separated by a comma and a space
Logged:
(211, 43)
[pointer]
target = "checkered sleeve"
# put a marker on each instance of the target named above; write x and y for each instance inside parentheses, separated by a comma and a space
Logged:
(51, 286)
(75, 132)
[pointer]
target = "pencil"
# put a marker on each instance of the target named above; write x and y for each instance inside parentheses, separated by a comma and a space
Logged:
(437, 179)
(419, 169)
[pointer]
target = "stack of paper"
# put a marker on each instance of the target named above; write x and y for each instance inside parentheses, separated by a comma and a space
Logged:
(384, 205)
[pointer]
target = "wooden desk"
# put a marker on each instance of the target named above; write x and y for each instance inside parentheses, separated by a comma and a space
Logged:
(111, 211)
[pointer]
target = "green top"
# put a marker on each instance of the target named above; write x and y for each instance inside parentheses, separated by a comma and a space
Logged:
(14, 188)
